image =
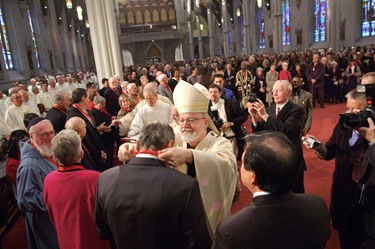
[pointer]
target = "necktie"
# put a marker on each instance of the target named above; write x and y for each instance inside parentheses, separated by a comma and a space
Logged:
(277, 112)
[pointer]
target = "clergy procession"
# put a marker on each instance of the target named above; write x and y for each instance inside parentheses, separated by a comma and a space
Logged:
(157, 160)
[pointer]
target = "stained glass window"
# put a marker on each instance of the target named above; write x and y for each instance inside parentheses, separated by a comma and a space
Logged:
(5, 49)
(242, 29)
(368, 18)
(285, 22)
(262, 39)
(320, 22)
(33, 38)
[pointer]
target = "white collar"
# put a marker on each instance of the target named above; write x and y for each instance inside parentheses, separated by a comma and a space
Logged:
(260, 193)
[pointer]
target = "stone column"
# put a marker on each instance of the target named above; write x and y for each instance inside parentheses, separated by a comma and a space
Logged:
(277, 43)
(191, 44)
(246, 19)
(104, 38)
(225, 27)
(197, 11)
(210, 28)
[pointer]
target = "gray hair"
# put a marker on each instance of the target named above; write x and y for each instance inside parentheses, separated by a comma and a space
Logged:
(286, 84)
(75, 124)
(150, 88)
(33, 129)
(60, 96)
(66, 147)
(130, 85)
(99, 99)
(155, 136)
(258, 69)
(354, 94)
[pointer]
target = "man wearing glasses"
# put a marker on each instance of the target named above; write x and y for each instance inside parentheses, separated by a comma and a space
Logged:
(200, 153)
(36, 163)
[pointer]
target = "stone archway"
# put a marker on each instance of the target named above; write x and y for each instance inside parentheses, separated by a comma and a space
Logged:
(153, 54)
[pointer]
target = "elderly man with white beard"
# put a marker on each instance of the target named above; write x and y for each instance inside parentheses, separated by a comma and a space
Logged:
(200, 152)
(36, 163)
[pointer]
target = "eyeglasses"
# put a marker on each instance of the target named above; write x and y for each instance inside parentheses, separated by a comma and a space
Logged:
(45, 134)
(188, 121)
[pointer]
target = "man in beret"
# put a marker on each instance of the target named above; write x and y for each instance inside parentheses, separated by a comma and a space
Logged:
(36, 163)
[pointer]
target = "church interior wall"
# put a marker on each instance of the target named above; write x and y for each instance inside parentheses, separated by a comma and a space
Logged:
(61, 49)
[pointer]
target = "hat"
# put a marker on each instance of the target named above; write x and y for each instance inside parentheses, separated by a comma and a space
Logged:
(35, 121)
(192, 99)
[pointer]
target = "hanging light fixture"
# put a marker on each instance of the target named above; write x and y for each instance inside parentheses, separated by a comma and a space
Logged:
(201, 26)
(238, 11)
(69, 4)
(87, 24)
(259, 3)
(79, 13)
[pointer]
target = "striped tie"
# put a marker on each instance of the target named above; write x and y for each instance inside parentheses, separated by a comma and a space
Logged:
(277, 112)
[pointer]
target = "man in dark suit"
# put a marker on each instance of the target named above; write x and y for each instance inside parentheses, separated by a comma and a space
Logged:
(277, 218)
(112, 95)
(232, 116)
(228, 116)
(57, 114)
(285, 117)
(148, 205)
(346, 147)
(92, 141)
(315, 75)
(230, 79)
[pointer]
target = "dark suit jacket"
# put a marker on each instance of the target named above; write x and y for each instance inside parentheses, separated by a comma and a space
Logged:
(92, 139)
(230, 83)
(112, 104)
(145, 204)
(290, 122)
(292, 221)
(317, 74)
(366, 171)
(344, 192)
(234, 113)
(57, 119)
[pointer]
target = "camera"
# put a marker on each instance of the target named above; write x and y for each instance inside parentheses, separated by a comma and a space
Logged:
(218, 122)
(252, 97)
(312, 142)
(356, 120)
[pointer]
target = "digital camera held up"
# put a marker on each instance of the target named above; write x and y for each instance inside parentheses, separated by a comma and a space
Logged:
(359, 119)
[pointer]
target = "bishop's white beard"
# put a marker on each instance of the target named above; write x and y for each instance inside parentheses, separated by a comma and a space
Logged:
(188, 135)
(44, 150)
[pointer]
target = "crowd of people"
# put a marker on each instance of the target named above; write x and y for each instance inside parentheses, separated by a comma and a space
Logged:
(178, 128)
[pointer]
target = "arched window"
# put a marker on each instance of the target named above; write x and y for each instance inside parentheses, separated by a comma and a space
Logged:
(285, 22)
(368, 18)
(147, 17)
(320, 21)
(155, 16)
(5, 42)
(33, 38)
(262, 39)
(163, 15)
(171, 15)
(138, 17)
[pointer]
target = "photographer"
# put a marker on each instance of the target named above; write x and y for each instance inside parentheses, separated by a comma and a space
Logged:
(228, 117)
(285, 117)
(345, 146)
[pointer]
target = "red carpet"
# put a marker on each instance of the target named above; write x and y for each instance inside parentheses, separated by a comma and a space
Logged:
(318, 177)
